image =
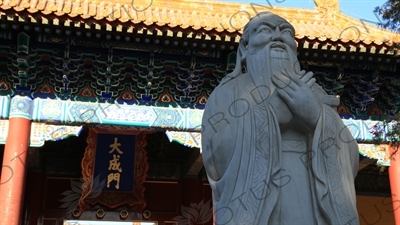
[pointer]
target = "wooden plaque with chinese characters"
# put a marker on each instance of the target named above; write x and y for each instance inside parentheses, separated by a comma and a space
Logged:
(114, 168)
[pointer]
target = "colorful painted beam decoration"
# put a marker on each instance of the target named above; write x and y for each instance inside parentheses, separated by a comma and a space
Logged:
(379, 152)
(41, 132)
(188, 139)
(176, 119)
(69, 112)
(183, 125)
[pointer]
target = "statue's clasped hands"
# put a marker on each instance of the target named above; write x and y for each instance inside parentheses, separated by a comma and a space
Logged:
(295, 90)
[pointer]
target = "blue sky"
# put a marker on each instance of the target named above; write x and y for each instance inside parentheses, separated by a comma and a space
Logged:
(359, 9)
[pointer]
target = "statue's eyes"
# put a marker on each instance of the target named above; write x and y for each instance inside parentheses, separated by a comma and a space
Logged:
(287, 32)
(266, 29)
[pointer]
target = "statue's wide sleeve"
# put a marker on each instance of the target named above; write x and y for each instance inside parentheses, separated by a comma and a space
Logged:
(241, 154)
(335, 164)
(218, 133)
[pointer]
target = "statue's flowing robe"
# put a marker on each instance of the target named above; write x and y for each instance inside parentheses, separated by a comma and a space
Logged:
(241, 144)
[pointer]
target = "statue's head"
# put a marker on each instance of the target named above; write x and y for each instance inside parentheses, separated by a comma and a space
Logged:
(267, 44)
(267, 29)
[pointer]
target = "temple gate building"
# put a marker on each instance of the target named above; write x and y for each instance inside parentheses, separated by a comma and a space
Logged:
(101, 104)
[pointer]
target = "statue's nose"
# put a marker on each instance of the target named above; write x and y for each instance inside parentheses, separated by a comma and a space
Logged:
(277, 36)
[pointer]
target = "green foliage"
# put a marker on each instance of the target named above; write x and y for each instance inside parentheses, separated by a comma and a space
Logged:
(390, 13)
(393, 134)
(387, 131)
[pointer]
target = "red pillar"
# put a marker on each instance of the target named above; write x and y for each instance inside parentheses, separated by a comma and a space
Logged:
(13, 171)
(394, 177)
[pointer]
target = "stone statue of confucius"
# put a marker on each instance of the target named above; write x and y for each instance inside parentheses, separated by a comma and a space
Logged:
(274, 148)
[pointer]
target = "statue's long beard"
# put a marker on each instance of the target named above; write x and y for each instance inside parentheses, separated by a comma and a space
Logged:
(264, 62)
